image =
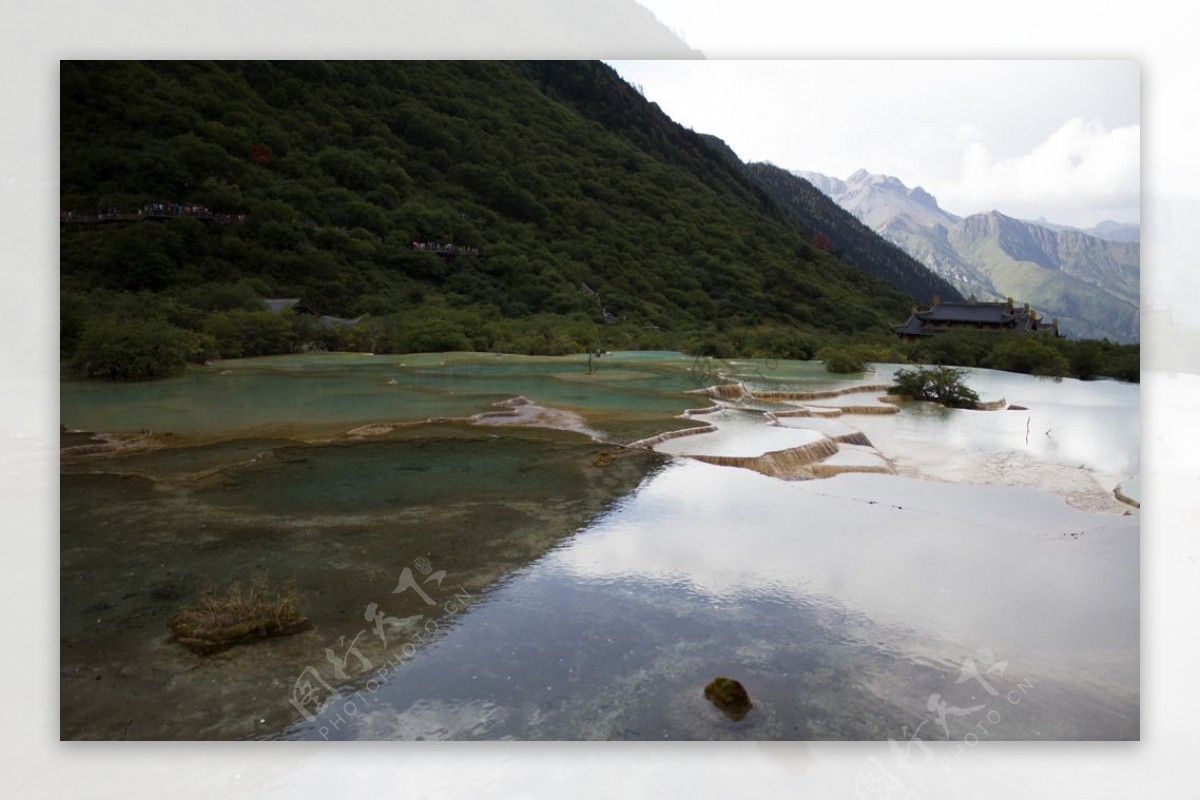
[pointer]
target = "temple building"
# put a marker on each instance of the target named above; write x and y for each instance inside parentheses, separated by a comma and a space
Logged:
(974, 315)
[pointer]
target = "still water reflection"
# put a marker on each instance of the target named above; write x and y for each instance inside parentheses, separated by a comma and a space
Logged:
(842, 605)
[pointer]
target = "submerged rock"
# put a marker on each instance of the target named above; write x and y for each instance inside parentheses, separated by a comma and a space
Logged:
(729, 696)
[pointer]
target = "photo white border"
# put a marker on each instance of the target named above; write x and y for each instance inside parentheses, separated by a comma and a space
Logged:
(34, 37)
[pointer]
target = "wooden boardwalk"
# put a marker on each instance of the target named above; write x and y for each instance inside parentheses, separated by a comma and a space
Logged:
(148, 213)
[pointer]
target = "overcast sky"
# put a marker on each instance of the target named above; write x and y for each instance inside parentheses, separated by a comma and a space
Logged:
(1059, 139)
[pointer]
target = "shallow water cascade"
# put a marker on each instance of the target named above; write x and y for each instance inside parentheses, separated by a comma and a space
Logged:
(483, 555)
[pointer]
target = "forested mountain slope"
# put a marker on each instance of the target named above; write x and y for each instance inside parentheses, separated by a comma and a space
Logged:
(579, 195)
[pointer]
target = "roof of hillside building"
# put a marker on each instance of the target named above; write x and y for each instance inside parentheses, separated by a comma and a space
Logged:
(971, 313)
(328, 321)
(913, 327)
(968, 312)
(324, 321)
(279, 304)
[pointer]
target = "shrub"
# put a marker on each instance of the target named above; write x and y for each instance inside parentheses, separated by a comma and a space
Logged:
(431, 334)
(239, 333)
(842, 360)
(961, 348)
(715, 346)
(1029, 354)
(1086, 359)
(855, 358)
(218, 621)
(938, 384)
(131, 349)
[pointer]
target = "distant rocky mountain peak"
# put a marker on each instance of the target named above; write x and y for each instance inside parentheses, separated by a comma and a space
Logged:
(808, 197)
(877, 199)
(1109, 230)
(1089, 278)
(924, 198)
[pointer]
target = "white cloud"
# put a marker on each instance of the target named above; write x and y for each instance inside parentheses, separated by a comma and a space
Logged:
(1083, 167)
(917, 120)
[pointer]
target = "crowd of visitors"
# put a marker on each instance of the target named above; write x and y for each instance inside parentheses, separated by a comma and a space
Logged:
(445, 249)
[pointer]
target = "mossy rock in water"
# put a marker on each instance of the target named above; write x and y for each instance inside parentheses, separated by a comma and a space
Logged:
(729, 696)
(216, 622)
(211, 641)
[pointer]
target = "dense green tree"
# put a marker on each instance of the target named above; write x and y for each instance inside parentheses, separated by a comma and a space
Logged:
(942, 385)
(239, 333)
(963, 348)
(1028, 354)
(842, 360)
(854, 358)
(112, 348)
